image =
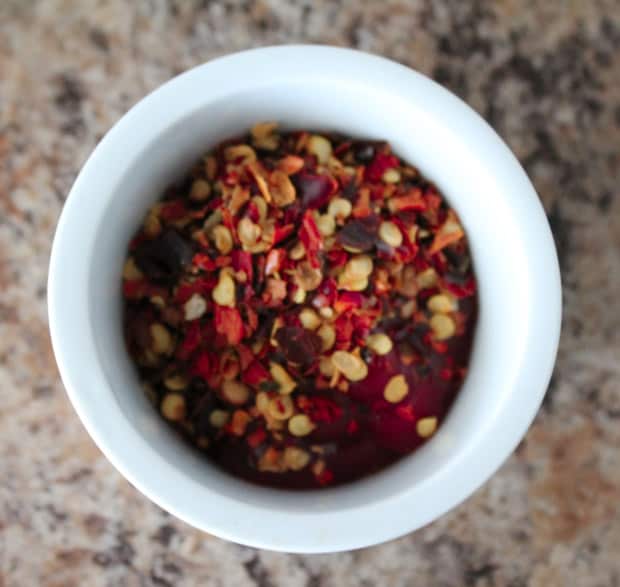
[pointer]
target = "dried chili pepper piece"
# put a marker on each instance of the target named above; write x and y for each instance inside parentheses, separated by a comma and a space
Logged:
(204, 262)
(255, 374)
(315, 190)
(173, 210)
(165, 256)
(311, 238)
(242, 261)
(190, 341)
(203, 365)
(228, 322)
(359, 234)
(299, 346)
(379, 165)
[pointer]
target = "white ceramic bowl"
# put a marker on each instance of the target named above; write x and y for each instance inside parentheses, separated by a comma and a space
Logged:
(357, 94)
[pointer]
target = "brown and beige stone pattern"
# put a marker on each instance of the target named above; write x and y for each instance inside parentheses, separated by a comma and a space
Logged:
(545, 74)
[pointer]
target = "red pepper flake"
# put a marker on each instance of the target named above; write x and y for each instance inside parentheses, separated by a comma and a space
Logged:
(461, 290)
(214, 204)
(274, 261)
(223, 261)
(173, 210)
(202, 239)
(282, 232)
(405, 412)
(137, 240)
(337, 258)
(440, 347)
(348, 300)
(190, 341)
(255, 374)
(202, 286)
(311, 238)
(203, 365)
(320, 409)
(246, 356)
(433, 199)
(352, 427)
(413, 200)
(203, 262)
(256, 438)
(135, 289)
(362, 205)
(252, 317)
(379, 165)
(446, 374)
(275, 292)
(344, 330)
(329, 289)
(325, 478)
(228, 322)
(231, 178)
(242, 261)
(253, 213)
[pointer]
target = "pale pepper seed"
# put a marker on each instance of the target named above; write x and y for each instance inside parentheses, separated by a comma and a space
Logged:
(426, 427)
(380, 343)
(443, 326)
(224, 292)
(235, 392)
(390, 234)
(328, 336)
(162, 339)
(218, 418)
(248, 232)
(295, 458)
(200, 190)
(309, 319)
(391, 176)
(350, 365)
(326, 224)
(176, 382)
(282, 378)
(222, 237)
(320, 147)
(299, 296)
(195, 307)
(440, 304)
(340, 208)
(131, 271)
(396, 389)
(173, 407)
(300, 425)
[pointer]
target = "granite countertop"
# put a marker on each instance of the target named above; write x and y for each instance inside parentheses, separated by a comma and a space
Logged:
(546, 75)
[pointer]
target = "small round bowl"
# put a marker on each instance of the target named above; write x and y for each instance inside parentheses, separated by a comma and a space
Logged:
(308, 87)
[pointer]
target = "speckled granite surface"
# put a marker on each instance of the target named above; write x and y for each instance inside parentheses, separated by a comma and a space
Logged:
(545, 74)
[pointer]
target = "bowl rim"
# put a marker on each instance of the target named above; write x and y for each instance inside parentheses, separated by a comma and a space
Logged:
(507, 428)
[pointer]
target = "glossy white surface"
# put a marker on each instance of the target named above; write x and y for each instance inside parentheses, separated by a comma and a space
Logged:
(356, 94)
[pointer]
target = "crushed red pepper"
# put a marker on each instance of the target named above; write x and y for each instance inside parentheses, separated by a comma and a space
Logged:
(301, 307)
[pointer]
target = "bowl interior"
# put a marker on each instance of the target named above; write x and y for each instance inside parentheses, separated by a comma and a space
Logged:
(442, 153)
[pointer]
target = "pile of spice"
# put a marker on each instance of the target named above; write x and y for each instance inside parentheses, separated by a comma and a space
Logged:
(301, 307)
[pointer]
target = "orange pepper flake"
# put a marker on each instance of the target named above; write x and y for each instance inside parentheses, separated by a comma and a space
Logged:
(239, 422)
(228, 322)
